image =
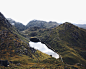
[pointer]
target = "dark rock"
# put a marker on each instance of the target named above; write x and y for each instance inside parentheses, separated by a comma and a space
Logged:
(10, 61)
(4, 63)
(51, 55)
(33, 50)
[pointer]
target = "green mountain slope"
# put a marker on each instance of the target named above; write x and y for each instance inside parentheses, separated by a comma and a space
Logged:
(68, 40)
(16, 50)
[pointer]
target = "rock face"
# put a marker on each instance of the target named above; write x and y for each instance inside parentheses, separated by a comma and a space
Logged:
(4, 63)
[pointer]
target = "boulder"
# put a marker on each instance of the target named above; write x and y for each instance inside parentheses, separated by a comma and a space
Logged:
(4, 63)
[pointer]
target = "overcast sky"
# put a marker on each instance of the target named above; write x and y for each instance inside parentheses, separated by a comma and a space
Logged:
(61, 11)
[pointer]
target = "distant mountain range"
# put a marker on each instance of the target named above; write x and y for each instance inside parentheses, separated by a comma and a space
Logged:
(18, 25)
(33, 23)
(38, 23)
(81, 25)
(42, 24)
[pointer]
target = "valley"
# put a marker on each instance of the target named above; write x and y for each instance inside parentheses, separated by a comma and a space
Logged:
(65, 39)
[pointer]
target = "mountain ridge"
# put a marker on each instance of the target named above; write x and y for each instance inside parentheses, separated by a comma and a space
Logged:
(64, 39)
(18, 25)
(41, 24)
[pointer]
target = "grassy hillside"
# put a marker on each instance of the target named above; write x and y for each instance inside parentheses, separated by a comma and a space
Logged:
(14, 48)
(68, 40)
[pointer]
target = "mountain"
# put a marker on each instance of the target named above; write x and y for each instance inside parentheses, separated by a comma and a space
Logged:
(68, 40)
(15, 50)
(33, 23)
(81, 25)
(18, 25)
(41, 24)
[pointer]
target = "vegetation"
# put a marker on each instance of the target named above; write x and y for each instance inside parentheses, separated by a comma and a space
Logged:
(66, 39)
(16, 50)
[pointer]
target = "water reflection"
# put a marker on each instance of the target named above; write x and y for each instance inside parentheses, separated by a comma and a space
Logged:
(43, 48)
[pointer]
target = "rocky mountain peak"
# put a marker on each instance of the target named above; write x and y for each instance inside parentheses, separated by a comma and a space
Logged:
(41, 24)
(1, 15)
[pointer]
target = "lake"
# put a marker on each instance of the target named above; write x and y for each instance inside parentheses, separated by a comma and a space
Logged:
(43, 48)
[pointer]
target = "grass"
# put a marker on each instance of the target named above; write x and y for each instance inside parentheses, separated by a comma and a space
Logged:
(68, 40)
(13, 45)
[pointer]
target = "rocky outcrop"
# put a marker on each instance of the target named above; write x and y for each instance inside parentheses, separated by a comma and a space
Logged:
(4, 63)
